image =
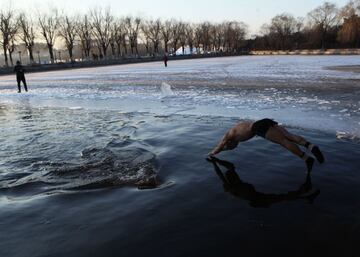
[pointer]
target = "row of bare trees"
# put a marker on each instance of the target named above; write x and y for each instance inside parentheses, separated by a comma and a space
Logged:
(325, 26)
(99, 34)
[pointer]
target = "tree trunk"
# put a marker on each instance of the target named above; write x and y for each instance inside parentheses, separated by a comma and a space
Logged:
(174, 46)
(323, 40)
(70, 50)
(31, 55)
(87, 52)
(136, 50)
(100, 51)
(124, 47)
(104, 50)
(191, 48)
(10, 57)
(147, 49)
(156, 47)
(5, 56)
(118, 49)
(51, 52)
(113, 51)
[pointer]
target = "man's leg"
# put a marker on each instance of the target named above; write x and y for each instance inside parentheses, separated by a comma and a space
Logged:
(302, 141)
(18, 84)
(276, 135)
(24, 82)
(293, 138)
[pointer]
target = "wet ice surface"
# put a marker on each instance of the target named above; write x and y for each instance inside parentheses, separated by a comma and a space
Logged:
(68, 112)
(297, 90)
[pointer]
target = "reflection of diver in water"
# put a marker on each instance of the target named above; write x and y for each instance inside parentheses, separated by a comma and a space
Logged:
(234, 185)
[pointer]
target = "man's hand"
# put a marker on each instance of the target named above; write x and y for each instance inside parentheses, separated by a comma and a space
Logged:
(210, 156)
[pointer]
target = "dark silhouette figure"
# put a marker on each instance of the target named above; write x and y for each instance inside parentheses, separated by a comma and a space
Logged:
(20, 76)
(234, 185)
(165, 59)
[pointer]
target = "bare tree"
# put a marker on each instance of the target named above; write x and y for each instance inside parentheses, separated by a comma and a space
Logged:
(27, 34)
(84, 30)
(182, 36)
(146, 37)
(11, 49)
(282, 27)
(8, 29)
(120, 37)
(49, 30)
(154, 31)
(262, 41)
(175, 34)
(197, 37)
(323, 18)
(133, 26)
(235, 35)
(102, 21)
(166, 34)
(189, 32)
(206, 35)
(113, 35)
(214, 38)
(68, 31)
(352, 8)
(349, 33)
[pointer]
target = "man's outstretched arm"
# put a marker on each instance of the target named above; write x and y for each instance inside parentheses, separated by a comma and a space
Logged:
(220, 147)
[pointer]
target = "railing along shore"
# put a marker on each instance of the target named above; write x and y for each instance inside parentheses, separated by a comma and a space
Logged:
(128, 60)
(307, 52)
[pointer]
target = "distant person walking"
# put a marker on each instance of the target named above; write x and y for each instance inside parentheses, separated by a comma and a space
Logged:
(20, 76)
(271, 131)
(165, 59)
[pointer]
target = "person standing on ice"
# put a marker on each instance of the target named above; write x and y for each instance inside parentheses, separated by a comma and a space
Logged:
(165, 59)
(271, 131)
(20, 76)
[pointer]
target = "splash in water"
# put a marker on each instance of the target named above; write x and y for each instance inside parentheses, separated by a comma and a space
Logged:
(119, 163)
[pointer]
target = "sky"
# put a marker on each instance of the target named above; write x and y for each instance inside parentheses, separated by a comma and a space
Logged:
(252, 12)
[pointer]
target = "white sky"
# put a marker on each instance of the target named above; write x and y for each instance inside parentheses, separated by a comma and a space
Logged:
(252, 12)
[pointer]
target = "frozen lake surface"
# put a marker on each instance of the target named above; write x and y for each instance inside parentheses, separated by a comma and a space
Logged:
(296, 90)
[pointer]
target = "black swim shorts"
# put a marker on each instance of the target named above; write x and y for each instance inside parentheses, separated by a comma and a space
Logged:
(260, 127)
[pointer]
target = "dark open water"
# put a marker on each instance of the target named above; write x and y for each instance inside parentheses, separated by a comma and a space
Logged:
(92, 177)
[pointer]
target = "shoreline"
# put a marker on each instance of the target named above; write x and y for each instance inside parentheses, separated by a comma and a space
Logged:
(4, 71)
(91, 64)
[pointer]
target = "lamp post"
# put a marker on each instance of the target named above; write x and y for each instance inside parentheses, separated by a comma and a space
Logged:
(19, 52)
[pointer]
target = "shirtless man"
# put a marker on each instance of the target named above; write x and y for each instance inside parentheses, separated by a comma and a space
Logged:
(269, 130)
